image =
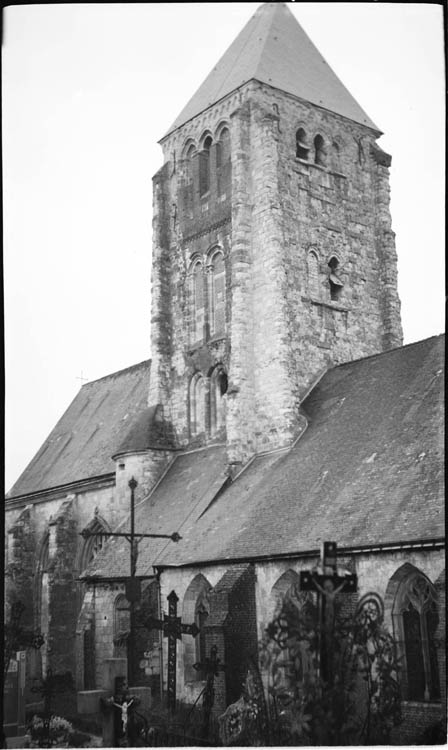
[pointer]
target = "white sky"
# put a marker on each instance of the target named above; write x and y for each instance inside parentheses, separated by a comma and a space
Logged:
(88, 90)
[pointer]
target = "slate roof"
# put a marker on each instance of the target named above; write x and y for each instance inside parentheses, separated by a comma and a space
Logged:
(148, 430)
(367, 470)
(89, 433)
(274, 49)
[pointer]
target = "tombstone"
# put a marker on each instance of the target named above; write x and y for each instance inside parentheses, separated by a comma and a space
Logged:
(14, 697)
(92, 701)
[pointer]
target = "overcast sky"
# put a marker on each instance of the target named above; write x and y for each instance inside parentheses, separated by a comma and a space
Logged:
(88, 90)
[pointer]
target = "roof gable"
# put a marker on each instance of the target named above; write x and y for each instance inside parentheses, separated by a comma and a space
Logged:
(274, 49)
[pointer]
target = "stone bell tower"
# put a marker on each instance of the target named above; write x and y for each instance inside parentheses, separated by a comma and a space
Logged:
(273, 253)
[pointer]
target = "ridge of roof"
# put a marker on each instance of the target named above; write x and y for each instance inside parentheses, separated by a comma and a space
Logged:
(389, 351)
(274, 49)
(124, 371)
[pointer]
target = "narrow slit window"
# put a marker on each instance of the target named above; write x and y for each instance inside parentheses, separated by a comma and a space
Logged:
(302, 150)
(320, 154)
(335, 283)
(204, 167)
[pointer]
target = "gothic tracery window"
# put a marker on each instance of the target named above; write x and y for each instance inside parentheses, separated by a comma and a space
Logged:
(415, 616)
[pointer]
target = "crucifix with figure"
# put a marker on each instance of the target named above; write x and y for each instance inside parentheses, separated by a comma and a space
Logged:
(327, 582)
(210, 667)
(173, 628)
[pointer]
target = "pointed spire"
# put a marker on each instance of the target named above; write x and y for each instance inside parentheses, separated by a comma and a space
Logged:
(274, 49)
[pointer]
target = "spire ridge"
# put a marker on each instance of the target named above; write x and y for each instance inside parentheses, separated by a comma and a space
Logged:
(274, 49)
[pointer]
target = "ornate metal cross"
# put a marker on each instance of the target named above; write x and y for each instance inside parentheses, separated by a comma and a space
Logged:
(173, 628)
(326, 581)
(133, 584)
(211, 666)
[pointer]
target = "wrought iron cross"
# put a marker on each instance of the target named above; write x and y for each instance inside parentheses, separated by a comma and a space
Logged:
(173, 628)
(211, 666)
(326, 581)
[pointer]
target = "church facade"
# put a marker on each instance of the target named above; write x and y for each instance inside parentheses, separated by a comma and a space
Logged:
(279, 409)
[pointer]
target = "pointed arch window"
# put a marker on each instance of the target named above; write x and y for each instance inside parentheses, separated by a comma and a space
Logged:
(196, 606)
(217, 291)
(197, 405)
(286, 595)
(197, 303)
(93, 544)
(313, 274)
(415, 617)
(204, 167)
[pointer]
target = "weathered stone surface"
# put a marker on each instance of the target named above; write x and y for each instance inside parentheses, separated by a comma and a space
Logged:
(282, 326)
(88, 701)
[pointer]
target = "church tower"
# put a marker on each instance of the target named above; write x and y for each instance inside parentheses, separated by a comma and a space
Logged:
(273, 253)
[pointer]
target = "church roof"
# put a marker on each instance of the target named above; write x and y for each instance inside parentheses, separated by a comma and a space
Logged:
(89, 433)
(274, 49)
(148, 430)
(367, 470)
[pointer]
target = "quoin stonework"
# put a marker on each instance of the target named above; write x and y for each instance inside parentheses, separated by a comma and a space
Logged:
(279, 408)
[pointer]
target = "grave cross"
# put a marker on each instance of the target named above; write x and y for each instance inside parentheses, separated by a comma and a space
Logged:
(326, 581)
(211, 666)
(173, 628)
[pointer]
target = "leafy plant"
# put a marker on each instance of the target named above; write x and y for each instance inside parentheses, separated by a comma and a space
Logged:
(59, 729)
(330, 688)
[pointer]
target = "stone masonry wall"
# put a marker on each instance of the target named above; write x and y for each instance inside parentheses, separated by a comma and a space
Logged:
(284, 323)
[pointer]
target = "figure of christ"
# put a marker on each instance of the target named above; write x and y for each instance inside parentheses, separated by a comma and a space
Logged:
(124, 707)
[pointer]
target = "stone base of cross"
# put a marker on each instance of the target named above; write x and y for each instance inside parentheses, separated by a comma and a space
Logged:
(327, 583)
(173, 628)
